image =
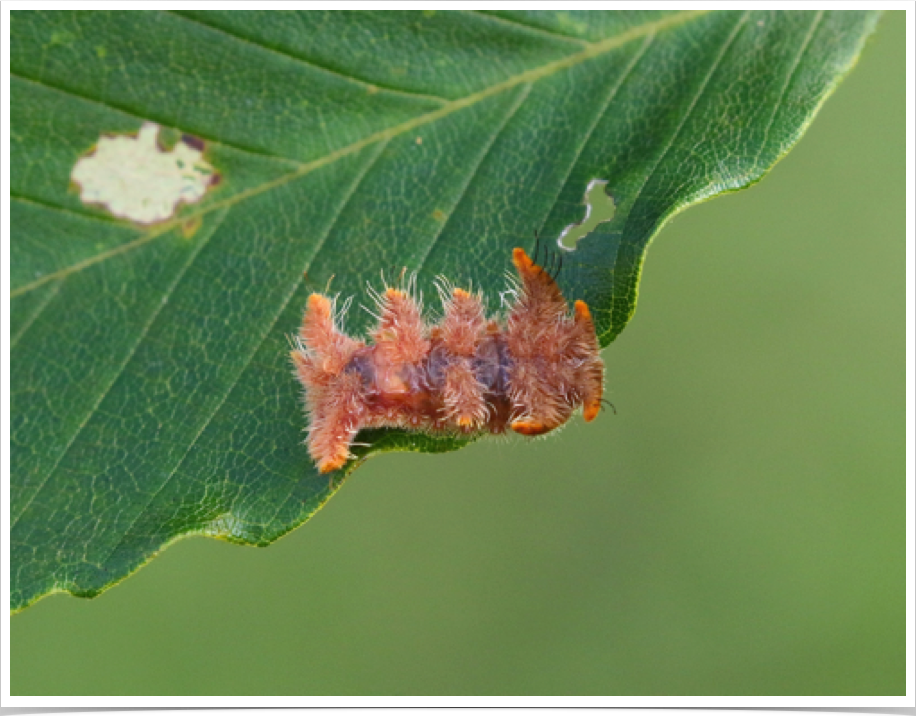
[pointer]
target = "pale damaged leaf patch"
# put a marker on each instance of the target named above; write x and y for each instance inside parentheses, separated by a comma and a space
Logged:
(136, 179)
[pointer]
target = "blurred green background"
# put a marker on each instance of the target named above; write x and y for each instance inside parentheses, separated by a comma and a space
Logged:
(738, 527)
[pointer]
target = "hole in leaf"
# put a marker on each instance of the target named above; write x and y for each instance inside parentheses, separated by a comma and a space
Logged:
(134, 177)
(599, 208)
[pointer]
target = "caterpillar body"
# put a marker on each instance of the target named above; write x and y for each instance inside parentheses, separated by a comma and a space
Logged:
(468, 374)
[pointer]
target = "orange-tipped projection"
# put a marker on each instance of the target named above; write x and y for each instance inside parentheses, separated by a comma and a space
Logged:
(467, 374)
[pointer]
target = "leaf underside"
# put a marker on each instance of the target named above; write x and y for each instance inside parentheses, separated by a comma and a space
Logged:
(151, 392)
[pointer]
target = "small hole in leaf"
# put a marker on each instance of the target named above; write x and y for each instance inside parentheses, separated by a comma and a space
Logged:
(599, 208)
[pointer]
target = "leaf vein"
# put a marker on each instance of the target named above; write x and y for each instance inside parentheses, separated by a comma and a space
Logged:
(146, 118)
(519, 25)
(117, 373)
(41, 203)
(606, 105)
(689, 111)
(229, 388)
(789, 77)
(511, 113)
(92, 260)
(35, 314)
(693, 103)
(364, 84)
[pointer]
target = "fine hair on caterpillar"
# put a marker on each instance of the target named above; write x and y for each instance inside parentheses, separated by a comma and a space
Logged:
(469, 374)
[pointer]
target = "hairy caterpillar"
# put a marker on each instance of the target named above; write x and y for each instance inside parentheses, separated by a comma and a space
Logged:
(467, 374)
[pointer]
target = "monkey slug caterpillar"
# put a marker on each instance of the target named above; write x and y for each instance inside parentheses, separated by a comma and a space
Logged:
(467, 374)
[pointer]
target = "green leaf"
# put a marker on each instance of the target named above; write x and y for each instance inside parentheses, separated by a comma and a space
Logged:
(151, 392)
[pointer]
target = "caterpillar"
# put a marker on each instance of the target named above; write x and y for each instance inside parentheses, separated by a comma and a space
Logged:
(467, 374)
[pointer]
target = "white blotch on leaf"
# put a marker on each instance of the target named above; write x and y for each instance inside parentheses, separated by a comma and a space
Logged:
(135, 179)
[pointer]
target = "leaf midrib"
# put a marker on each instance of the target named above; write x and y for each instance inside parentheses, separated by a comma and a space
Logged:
(591, 50)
